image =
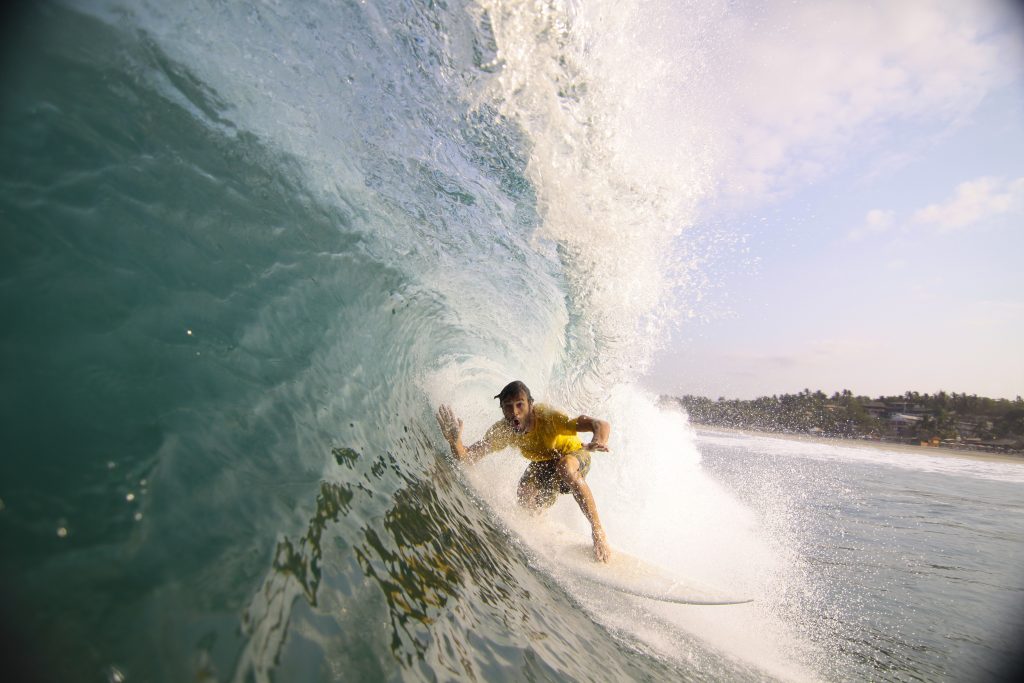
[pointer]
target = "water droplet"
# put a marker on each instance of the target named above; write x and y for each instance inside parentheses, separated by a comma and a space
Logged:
(130, 497)
(142, 482)
(111, 464)
(62, 532)
(115, 675)
(188, 332)
(137, 516)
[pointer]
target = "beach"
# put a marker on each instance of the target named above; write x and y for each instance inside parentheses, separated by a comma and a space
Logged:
(941, 451)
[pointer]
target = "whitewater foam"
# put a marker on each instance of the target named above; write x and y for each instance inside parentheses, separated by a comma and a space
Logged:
(922, 461)
(657, 504)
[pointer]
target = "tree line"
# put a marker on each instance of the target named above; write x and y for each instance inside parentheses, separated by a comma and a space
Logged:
(911, 416)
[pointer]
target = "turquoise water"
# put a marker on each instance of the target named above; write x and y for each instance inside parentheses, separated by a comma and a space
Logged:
(245, 252)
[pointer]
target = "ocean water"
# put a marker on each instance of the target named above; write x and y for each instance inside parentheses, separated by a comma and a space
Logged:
(248, 248)
(912, 564)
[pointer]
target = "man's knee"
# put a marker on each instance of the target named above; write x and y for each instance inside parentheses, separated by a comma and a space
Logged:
(569, 470)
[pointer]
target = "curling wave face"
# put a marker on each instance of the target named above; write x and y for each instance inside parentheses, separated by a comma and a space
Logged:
(245, 249)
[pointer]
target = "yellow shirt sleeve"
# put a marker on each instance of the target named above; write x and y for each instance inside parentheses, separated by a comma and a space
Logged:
(562, 424)
(497, 437)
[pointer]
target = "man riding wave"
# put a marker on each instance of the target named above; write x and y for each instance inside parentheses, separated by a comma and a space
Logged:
(559, 461)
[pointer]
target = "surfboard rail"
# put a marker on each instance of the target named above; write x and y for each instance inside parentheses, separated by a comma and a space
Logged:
(631, 575)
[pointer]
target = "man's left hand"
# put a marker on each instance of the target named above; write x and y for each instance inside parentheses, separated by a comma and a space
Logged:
(595, 446)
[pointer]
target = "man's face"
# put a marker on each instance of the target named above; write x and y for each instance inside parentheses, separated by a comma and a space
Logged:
(516, 410)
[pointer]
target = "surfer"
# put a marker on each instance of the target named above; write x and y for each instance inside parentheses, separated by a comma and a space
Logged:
(559, 461)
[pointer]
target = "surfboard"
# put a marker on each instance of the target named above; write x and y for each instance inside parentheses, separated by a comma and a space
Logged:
(632, 575)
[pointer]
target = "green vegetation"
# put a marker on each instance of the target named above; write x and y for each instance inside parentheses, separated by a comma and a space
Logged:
(951, 419)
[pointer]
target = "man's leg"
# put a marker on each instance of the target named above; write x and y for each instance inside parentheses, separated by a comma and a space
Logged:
(536, 487)
(569, 473)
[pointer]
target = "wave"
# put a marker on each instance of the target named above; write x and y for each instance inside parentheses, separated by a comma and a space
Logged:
(247, 250)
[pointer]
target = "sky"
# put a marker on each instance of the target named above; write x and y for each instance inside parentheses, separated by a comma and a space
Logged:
(875, 177)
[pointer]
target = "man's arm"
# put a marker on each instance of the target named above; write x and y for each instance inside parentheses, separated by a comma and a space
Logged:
(601, 430)
(451, 428)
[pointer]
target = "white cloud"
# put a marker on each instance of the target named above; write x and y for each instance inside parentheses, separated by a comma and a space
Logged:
(816, 82)
(876, 221)
(973, 203)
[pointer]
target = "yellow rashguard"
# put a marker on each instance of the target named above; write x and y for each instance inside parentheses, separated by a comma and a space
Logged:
(552, 436)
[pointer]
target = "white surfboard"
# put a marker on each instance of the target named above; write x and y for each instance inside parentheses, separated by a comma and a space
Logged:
(628, 574)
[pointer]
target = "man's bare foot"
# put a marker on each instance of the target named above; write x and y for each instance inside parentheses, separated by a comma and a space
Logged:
(602, 551)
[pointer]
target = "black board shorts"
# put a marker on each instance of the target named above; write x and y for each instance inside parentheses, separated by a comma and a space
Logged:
(544, 476)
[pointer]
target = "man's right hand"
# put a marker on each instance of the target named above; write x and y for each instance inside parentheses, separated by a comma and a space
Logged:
(451, 426)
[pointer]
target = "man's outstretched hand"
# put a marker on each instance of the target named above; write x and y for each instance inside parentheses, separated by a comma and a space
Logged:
(451, 426)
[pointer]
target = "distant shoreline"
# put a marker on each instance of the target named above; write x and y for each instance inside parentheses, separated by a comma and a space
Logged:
(969, 425)
(941, 451)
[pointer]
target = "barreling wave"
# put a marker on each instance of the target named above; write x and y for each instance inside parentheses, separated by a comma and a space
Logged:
(246, 249)
(617, 176)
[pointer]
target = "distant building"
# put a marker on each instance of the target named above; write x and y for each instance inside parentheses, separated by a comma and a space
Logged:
(875, 409)
(905, 408)
(892, 407)
(904, 424)
(966, 428)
